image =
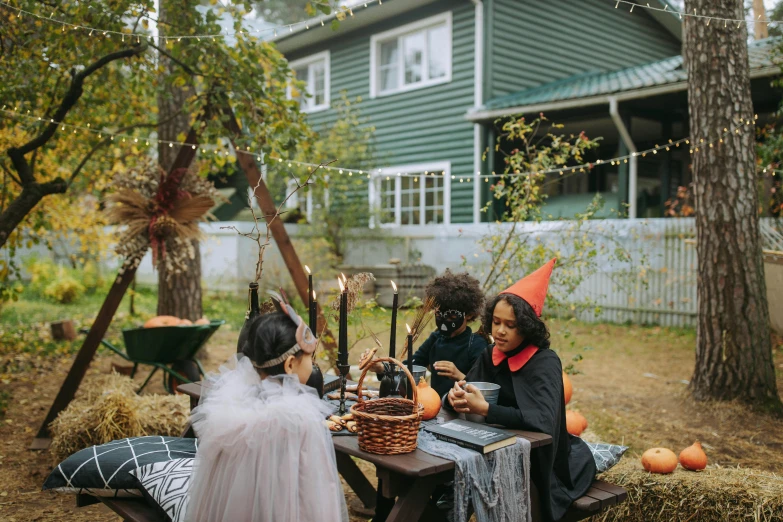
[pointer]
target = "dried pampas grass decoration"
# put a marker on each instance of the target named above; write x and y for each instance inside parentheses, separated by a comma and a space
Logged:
(109, 409)
(159, 211)
(355, 286)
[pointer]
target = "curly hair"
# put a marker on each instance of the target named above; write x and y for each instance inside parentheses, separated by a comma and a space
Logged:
(457, 292)
(530, 326)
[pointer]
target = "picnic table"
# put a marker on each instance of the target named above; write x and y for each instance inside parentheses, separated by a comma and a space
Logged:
(411, 478)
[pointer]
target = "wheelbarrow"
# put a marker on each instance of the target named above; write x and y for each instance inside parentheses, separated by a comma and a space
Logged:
(167, 348)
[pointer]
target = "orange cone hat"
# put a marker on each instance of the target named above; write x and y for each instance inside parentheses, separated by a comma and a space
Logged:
(533, 287)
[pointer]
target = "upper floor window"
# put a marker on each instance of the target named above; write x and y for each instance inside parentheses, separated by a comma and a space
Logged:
(412, 56)
(313, 71)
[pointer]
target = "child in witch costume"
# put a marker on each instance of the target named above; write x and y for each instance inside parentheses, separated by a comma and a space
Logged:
(531, 392)
(264, 452)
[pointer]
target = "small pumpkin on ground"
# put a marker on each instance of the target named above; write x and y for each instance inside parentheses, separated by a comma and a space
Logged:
(568, 389)
(162, 320)
(693, 457)
(429, 399)
(576, 423)
(659, 460)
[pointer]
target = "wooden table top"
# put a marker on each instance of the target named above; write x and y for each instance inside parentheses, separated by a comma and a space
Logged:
(415, 464)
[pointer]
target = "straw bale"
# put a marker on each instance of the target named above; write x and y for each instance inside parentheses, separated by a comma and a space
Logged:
(716, 494)
(107, 408)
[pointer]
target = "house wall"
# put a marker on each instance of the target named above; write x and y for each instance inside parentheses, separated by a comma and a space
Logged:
(418, 126)
(532, 42)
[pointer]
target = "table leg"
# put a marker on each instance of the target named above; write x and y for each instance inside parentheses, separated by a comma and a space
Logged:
(412, 502)
(356, 479)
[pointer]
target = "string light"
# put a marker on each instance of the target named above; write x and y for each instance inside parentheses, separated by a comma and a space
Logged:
(305, 24)
(563, 170)
(695, 15)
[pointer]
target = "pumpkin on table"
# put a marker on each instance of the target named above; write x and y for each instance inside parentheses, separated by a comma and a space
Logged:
(693, 457)
(659, 460)
(429, 399)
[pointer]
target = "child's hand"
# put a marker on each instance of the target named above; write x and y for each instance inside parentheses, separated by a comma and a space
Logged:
(448, 369)
(457, 398)
(468, 400)
(376, 367)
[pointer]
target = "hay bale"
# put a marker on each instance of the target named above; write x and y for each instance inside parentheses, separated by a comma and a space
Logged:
(714, 495)
(107, 408)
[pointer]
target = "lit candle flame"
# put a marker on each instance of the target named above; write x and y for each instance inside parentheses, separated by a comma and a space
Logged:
(345, 279)
(314, 299)
(340, 282)
(408, 327)
(308, 270)
(394, 286)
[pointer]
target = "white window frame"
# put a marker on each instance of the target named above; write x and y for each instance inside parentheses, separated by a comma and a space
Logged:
(313, 59)
(397, 34)
(396, 173)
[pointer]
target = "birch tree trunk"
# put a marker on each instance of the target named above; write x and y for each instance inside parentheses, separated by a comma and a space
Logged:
(734, 351)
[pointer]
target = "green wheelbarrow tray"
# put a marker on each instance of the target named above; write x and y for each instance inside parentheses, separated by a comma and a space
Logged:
(167, 344)
(163, 346)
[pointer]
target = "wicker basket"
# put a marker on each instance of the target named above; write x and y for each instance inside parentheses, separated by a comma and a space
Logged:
(387, 426)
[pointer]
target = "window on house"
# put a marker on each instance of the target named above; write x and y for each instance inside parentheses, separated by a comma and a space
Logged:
(412, 56)
(313, 71)
(413, 195)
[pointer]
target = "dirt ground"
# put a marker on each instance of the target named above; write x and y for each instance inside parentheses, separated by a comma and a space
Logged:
(632, 389)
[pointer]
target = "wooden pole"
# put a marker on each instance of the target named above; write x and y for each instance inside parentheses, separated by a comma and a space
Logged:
(101, 324)
(267, 205)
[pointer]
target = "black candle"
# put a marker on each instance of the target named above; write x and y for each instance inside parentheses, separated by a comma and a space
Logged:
(409, 344)
(313, 313)
(342, 345)
(310, 300)
(393, 336)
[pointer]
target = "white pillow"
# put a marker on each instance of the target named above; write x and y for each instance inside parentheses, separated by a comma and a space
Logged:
(167, 484)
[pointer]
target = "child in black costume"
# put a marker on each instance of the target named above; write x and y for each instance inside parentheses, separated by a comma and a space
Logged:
(451, 350)
(531, 394)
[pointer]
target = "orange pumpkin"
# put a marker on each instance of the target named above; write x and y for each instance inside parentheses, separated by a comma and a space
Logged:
(162, 320)
(659, 460)
(693, 457)
(185, 322)
(203, 320)
(576, 423)
(429, 399)
(567, 388)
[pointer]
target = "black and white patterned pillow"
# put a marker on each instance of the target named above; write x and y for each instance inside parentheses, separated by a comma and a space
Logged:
(104, 470)
(606, 455)
(167, 485)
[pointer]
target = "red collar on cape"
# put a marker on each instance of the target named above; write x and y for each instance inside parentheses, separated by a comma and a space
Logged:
(515, 362)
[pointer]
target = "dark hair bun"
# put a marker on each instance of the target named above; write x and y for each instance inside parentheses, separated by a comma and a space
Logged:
(270, 336)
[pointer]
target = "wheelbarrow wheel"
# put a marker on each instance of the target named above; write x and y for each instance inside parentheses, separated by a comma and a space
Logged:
(188, 369)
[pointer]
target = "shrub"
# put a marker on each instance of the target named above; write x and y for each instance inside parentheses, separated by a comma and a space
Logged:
(64, 290)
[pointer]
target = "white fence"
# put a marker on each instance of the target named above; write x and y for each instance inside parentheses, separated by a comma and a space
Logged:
(669, 260)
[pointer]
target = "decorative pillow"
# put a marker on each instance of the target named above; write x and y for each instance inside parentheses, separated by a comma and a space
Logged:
(104, 470)
(167, 485)
(606, 455)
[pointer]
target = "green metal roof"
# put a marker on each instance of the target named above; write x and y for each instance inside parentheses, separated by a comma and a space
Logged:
(667, 72)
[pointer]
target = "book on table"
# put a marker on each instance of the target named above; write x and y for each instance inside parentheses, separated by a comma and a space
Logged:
(331, 383)
(471, 435)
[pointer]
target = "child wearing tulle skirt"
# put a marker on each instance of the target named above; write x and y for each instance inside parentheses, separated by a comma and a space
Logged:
(264, 452)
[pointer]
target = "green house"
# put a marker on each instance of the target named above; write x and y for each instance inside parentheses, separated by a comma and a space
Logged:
(436, 76)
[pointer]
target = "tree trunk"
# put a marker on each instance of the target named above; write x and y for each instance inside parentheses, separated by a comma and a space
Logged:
(734, 351)
(181, 297)
(27, 200)
(760, 31)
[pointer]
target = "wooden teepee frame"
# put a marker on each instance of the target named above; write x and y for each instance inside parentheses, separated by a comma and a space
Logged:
(105, 315)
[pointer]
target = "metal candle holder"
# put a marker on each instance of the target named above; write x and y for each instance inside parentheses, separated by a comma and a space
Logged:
(343, 369)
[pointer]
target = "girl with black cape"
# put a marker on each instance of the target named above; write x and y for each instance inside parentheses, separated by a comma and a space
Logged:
(531, 392)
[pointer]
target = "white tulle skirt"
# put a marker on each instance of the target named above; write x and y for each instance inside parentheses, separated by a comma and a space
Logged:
(264, 453)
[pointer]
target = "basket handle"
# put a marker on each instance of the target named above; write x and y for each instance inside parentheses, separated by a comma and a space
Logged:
(398, 363)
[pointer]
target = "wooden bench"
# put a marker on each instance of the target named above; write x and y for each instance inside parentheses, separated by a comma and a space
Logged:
(599, 497)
